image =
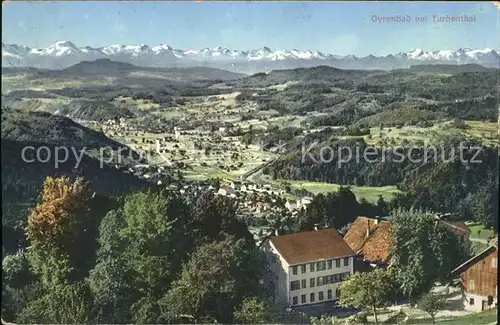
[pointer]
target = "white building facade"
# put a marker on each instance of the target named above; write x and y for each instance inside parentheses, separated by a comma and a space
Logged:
(306, 268)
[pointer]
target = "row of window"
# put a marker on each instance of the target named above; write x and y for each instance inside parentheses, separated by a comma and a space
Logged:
(312, 297)
(319, 266)
(319, 281)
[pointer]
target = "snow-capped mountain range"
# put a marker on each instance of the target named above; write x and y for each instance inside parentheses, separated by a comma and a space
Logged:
(64, 53)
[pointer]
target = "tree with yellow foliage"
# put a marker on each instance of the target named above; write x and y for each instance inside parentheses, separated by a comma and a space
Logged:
(61, 252)
(57, 227)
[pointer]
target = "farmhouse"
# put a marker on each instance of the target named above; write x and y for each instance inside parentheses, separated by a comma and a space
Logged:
(479, 280)
(370, 239)
(306, 268)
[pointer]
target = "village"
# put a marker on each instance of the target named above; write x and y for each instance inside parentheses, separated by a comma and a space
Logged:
(306, 268)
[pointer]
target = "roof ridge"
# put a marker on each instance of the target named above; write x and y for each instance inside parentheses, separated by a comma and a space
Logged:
(475, 257)
(305, 231)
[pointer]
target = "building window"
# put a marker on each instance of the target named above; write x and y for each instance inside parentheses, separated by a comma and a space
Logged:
(303, 268)
(471, 301)
(344, 275)
(311, 267)
(471, 285)
(294, 285)
(329, 295)
(494, 262)
(304, 284)
(321, 296)
(303, 299)
(311, 298)
(329, 264)
(320, 281)
(346, 261)
(337, 293)
(337, 263)
(294, 270)
(295, 300)
(311, 282)
(321, 266)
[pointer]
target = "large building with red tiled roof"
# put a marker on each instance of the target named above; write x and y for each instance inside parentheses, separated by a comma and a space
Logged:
(306, 268)
(370, 239)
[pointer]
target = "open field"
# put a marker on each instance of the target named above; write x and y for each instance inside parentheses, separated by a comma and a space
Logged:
(370, 194)
(477, 247)
(477, 230)
(486, 132)
(204, 173)
(140, 104)
(10, 83)
(482, 318)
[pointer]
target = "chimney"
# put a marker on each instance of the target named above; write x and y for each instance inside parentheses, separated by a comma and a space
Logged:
(376, 220)
(316, 226)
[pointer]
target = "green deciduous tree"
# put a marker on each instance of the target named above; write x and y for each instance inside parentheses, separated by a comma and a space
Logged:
(335, 209)
(15, 270)
(110, 279)
(214, 281)
(425, 251)
(326, 320)
(255, 311)
(431, 303)
(484, 203)
(150, 250)
(62, 304)
(369, 290)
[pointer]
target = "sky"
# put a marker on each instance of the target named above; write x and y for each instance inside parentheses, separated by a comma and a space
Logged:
(332, 27)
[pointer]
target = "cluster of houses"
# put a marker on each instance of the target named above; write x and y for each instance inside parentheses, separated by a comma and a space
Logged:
(265, 197)
(117, 122)
(232, 188)
(306, 268)
(157, 175)
(294, 206)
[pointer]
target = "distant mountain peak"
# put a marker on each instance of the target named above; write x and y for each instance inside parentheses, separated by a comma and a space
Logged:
(64, 53)
(64, 43)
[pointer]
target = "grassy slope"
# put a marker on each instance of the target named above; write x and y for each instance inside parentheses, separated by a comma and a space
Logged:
(484, 131)
(477, 230)
(482, 318)
(369, 193)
